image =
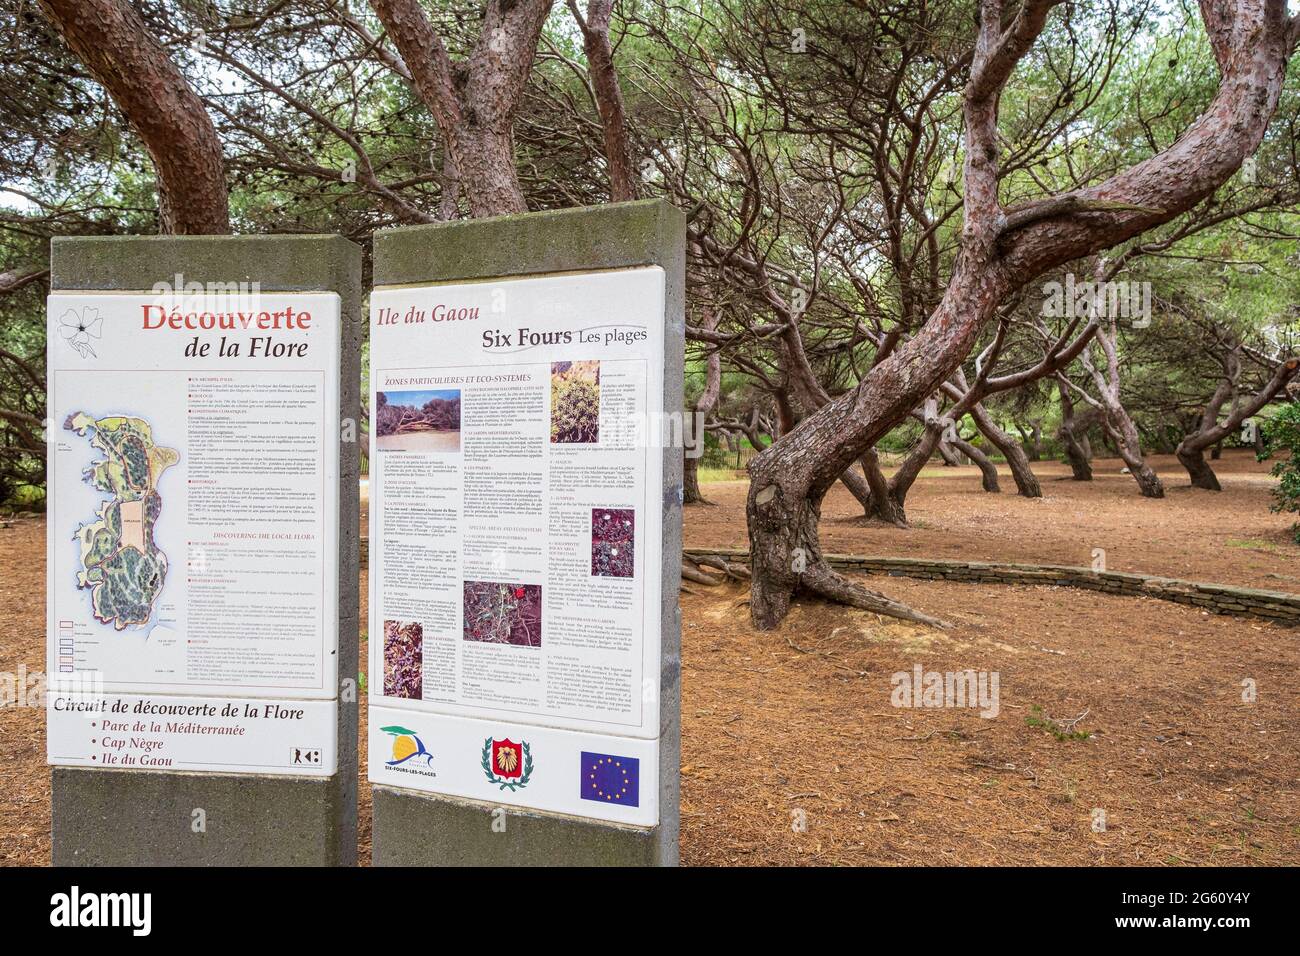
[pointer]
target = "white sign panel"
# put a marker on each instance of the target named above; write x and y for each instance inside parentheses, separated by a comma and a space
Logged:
(516, 530)
(166, 732)
(193, 529)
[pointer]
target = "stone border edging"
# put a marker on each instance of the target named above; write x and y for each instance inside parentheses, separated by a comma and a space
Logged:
(1219, 598)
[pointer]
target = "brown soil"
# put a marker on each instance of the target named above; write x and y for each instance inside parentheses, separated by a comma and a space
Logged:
(794, 754)
(800, 719)
(1227, 537)
(24, 777)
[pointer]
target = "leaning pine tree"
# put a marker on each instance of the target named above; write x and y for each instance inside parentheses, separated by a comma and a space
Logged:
(1001, 250)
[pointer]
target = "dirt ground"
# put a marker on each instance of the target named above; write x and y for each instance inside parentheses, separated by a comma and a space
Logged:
(1228, 537)
(1134, 711)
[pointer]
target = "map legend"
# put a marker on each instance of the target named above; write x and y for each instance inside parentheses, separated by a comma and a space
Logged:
(67, 648)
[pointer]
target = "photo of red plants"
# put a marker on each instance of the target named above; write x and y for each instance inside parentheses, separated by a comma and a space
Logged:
(497, 613)
(403, 659)
(575, 403)
(612, 540)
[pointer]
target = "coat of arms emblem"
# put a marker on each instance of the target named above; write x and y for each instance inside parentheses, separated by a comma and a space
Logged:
(506, 763)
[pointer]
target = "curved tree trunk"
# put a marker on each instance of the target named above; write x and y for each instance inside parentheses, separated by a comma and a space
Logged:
(1073, 435)
(1129, 445)
(1198, 469)
(1119, 424)
(1211, 433)
(881, 504)
(609, 96)
(115, 44)
(858, 487)
(473, 101)
(890, 502)
(988, 471)
(1080, 466)
(1026, 481)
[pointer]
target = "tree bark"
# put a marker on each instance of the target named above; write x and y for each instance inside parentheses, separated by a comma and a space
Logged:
(691, 494)
(609, 96)
(1129, 445)
(114, 43)
(988, 471)
(881, 504)
(1026, 481)
(704, 405)
(474, 102)
(1118, 423)
(1073, 436)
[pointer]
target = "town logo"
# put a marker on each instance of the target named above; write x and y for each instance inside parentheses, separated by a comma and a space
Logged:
(407, 746)
(506, 763)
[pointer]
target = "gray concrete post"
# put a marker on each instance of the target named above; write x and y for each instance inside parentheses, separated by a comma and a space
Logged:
(142, 818)
(418, 829)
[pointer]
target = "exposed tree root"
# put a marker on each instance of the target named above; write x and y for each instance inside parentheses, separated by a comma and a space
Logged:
(693, 569)
(822, 580)
(697, 576)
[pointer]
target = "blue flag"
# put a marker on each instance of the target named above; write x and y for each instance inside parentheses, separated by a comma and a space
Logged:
(611, 779)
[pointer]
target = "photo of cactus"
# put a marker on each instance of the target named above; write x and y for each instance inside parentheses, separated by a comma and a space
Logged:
(500, 613)
(612, 542)
(575, 403)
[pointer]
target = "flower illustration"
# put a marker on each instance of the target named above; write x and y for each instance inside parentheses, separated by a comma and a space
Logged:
(79, 327)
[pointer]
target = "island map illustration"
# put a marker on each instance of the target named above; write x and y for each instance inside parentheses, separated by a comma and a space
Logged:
(120, 563)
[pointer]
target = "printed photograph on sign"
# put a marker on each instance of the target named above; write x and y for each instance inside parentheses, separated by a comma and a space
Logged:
(498, 613)
(575, 403)
(426, 421)
(403, 659)
(612, 542)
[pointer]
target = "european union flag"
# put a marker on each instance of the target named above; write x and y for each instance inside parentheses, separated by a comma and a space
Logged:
(611, 779)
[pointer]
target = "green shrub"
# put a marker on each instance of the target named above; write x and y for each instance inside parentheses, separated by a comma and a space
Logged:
(1283, 434)
(575, 411)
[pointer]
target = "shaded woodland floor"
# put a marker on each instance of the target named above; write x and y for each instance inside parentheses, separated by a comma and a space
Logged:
(794, 754)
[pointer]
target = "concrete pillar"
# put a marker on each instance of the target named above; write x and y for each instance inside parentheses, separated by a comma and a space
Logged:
(416, 828)
(140, 817)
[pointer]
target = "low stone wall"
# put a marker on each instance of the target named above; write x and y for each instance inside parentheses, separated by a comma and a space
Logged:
(1218, 598)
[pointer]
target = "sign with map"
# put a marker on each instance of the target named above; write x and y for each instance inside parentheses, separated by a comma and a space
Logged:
(193, 530)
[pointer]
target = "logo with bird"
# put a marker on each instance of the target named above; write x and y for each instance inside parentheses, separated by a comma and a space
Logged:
(407, 745)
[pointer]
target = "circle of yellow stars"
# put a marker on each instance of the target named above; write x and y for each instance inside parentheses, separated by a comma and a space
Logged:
(601, 793)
